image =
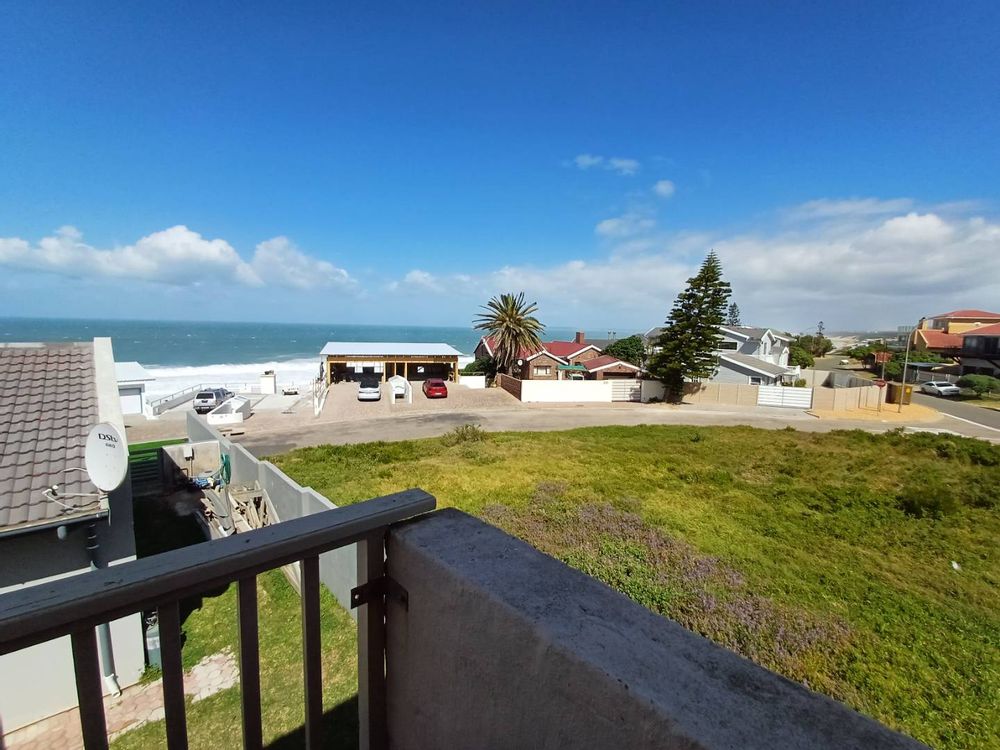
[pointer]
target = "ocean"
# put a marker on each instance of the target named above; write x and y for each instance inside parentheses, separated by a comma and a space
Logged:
(181, 354)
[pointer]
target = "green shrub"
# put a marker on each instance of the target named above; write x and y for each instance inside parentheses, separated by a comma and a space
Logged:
(482, 366)
(467, 433)
(800, 383)
(981, 384)
(926, 494)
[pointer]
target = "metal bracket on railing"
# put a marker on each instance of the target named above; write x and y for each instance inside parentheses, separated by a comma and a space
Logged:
(382, 586)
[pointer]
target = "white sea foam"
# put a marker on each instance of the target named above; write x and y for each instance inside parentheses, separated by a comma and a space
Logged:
(235, 376)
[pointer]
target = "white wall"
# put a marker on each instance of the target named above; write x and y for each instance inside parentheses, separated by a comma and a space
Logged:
(566, 391)
(650, 389)
(472, 381)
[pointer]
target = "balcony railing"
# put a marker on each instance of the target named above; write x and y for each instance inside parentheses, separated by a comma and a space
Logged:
(74, 606)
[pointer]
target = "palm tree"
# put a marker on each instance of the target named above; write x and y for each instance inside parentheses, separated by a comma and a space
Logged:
(509, 321)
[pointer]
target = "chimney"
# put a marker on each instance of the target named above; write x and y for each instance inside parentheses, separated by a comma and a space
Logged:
(581, 338)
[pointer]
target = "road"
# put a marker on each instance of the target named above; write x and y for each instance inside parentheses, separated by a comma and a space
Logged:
(959, 411)
(431, 424)
(986, 418)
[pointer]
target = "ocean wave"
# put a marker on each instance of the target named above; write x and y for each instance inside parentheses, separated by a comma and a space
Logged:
(170, 379)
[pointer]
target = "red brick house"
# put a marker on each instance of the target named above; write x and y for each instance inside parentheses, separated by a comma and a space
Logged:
(561, 360)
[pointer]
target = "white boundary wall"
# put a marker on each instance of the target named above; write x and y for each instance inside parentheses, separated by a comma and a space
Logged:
(566, 391)
(475, 382)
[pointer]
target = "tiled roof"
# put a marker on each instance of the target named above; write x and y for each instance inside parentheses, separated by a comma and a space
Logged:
(48, 403)
(991, 330)
(967, 314)
(940, 339)
(605, 360)
(565, 348)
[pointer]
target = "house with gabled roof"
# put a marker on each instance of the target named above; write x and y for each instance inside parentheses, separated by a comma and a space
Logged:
(54, 523)
(561, 360)
(942, 333)
(980, 351)
(746, 355)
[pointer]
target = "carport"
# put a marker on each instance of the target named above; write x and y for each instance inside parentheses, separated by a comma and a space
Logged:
(349, 360)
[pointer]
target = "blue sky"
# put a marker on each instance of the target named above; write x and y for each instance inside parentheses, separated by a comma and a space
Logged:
(373, 163)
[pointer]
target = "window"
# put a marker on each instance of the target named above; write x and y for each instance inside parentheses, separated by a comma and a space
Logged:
(542, 370)
(728, 346)
(754, 380)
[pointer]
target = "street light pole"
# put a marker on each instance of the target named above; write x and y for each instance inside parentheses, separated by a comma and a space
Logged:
(906, 361)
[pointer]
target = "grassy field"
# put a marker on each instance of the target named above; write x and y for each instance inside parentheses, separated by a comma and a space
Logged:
(826, 557)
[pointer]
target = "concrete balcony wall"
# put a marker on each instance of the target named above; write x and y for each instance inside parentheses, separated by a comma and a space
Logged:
(504, 647)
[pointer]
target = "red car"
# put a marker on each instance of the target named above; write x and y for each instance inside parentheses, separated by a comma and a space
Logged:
(435, 388)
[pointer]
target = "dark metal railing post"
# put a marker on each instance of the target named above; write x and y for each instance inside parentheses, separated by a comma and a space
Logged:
(312, 654)
(168, 615)
(371, 647)
(89, 691)
(249, 664)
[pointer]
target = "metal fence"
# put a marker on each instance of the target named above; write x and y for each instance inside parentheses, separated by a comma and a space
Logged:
(75, 606)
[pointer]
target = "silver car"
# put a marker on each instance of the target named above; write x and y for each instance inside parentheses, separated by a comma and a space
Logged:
(205, 401)
(369, 389)
(940, 388)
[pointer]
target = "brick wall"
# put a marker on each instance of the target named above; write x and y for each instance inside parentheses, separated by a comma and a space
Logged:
(511, 385)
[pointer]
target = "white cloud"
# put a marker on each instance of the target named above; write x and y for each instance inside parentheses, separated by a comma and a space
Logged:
(618, 164)
(176, 256)
(886, 271)
(825, 208)
(626, 225)
(586, 161)
(279, 261)
(664, 188)
(623, 166)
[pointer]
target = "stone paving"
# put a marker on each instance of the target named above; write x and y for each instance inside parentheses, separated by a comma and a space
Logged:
(137, 705)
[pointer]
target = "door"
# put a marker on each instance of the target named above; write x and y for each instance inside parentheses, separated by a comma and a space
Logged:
(780, 395)
(131, 399)
(625, 390)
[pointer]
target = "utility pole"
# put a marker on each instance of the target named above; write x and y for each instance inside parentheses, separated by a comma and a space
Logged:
(906, 361)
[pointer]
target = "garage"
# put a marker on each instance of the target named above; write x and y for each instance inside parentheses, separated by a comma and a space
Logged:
(131, 397)
(352, 360)
(132, 379)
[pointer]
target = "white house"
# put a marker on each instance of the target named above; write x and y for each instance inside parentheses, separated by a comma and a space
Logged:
(132, 379)
(746, 355)
(50, 397)
(755, 356)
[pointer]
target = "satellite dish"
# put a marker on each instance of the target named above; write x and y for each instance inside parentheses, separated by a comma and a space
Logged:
(106, 457)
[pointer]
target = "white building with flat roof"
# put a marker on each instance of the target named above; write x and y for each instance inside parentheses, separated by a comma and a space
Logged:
(350, 360)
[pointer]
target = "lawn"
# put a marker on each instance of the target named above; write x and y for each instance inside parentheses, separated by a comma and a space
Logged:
(864, 566)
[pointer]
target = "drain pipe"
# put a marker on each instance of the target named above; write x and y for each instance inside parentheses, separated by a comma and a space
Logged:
(103, 629)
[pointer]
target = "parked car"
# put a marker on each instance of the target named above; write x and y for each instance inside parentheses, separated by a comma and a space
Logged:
(369, 389)
(435, 388)
(940, 388)
(205, 401)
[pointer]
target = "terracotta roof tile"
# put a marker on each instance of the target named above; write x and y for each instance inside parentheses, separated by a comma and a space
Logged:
(966, 314)
(992, 330)
(939, 339)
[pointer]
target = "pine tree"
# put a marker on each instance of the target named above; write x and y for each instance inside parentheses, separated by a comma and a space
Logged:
(690, 336)
(733, 316)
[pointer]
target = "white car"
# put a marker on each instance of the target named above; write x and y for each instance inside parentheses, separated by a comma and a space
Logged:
(940, 388)
(369, 389)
